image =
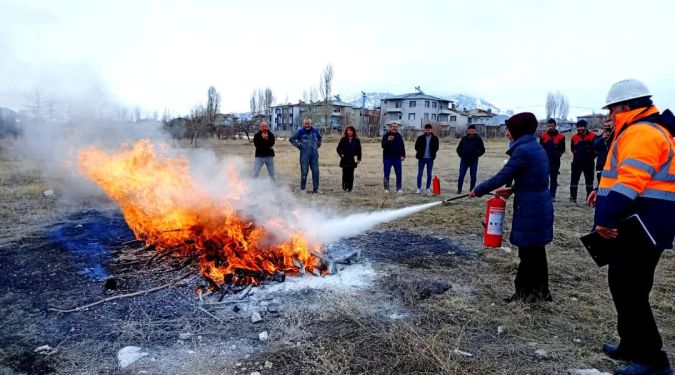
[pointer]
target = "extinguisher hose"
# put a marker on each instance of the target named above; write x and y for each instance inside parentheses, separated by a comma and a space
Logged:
(454, 198)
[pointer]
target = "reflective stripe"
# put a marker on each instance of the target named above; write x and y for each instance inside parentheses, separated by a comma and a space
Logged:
(603, 191)
(658, 194)
(664, 176)
(639, 165)
(625, 190)
(613, 173)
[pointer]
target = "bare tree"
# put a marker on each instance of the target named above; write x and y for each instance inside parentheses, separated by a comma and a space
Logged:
(268, 100)
(213, 104)
(196, 123)
(35, 104)
(254, 103)
(326, 89)
(557, 105)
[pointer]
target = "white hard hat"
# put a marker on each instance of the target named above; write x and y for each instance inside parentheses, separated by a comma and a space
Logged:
(626, 90)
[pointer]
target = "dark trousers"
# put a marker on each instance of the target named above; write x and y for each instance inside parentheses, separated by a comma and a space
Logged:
(309, 160)
(398, 170)
(577, 169)
(598, 174)
(554, 171)
(429, 163)
(630, 277)
(347, 178)
(532, 276)
(473, 169)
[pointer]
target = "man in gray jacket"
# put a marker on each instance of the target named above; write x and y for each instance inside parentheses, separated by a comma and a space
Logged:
(308, 141)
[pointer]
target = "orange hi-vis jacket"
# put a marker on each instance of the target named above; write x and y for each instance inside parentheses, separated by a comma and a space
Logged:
(639, 175)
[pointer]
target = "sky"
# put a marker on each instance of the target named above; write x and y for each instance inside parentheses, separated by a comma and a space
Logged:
(163, 55)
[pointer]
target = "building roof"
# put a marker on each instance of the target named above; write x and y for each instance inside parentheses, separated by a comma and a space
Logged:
(415, 95)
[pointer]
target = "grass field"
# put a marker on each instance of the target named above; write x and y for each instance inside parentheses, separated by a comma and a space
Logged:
(353, 332)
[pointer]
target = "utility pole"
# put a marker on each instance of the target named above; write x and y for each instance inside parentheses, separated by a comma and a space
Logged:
(363, 110)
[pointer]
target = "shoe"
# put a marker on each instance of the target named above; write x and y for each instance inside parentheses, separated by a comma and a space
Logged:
(634, 368)
(418, 191)
(615, 352)
(459, 192)
(386, 190)
(553, 200)
(428, 191)
(303, 190)
(573, 200)
(400, 191)
(315, 191)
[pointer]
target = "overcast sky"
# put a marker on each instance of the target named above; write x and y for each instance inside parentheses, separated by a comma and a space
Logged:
(165, 54)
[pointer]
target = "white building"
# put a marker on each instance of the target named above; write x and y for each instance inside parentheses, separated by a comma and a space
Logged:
(415, 110)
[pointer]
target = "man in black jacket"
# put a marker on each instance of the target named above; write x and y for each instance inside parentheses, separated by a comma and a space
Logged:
(393, 154)
(469, 149)
(263, 141)
(426, 147)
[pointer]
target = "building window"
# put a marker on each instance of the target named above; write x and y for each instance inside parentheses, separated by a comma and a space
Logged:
(426, 117)
(397, 104)
(433, 117)
(426, 104)
(412, 104)
(434, 105)
(453, 118)
(470, 120)
(411, 117)
(400, 116)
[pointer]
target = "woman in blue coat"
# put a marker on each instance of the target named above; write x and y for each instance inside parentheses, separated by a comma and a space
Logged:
(532, 227)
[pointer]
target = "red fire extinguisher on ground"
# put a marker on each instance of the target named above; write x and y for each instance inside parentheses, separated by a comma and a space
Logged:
(494, 222)
(436, 185)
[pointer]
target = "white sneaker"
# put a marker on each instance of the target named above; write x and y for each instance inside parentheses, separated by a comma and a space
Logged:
(428, 191)
(418, 191)
(303, 190)
(386, 190)
(400, 191)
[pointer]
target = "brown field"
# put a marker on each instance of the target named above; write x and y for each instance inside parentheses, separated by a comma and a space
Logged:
(333, 332)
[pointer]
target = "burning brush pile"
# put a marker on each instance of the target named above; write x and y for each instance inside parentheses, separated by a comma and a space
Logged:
(164, 207)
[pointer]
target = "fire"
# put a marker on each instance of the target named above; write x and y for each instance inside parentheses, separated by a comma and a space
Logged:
(164, 206)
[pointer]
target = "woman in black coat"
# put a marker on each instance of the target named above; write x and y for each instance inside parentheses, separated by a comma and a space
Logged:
(349, 150)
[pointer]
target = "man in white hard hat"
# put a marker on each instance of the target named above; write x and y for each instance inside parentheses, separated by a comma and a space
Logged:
(638, 178)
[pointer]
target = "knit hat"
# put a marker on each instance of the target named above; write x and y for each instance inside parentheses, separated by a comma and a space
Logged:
(521, 124)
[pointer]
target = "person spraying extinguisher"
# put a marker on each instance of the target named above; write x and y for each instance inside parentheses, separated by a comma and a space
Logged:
(532, 223)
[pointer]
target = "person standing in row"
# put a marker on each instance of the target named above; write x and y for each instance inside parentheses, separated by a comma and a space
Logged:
(426, 147)
(263, 141)
(349, 150)
(601, 146)
(308, 140)
(553, 142)
(583, 158)
(469, 149)
(638, 178)
(532, 225)
(393, 154)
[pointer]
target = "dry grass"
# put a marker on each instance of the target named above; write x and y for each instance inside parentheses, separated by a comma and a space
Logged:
(355, 333)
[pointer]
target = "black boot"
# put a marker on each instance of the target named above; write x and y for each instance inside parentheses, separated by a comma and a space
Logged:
(634, 368)
(616, 352)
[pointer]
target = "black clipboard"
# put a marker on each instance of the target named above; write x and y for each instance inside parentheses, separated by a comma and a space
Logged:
(632, 233)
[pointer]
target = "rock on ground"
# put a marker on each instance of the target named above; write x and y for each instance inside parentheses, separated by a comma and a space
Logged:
(128, 355)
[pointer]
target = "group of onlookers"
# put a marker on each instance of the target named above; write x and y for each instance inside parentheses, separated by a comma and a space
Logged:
(308, 140)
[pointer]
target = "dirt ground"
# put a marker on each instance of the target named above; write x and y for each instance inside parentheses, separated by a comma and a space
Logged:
(426, 297)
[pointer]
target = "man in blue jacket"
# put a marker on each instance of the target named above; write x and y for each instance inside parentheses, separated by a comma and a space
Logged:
(532, 227)
(393, 154)
(308, 141)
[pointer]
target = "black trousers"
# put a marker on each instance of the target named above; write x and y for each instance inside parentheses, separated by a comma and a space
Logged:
(630, 277)
(554, 171)
(347, 178)
(532, 276)
(577, 169)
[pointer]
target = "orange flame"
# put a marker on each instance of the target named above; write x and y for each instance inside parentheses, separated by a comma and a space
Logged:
(163, 206)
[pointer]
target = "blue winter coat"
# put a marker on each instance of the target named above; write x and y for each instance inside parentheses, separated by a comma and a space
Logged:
(532, 207)
(308, 141)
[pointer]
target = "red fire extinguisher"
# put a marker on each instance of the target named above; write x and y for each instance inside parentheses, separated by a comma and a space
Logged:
(494, 222)
(436, 184)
